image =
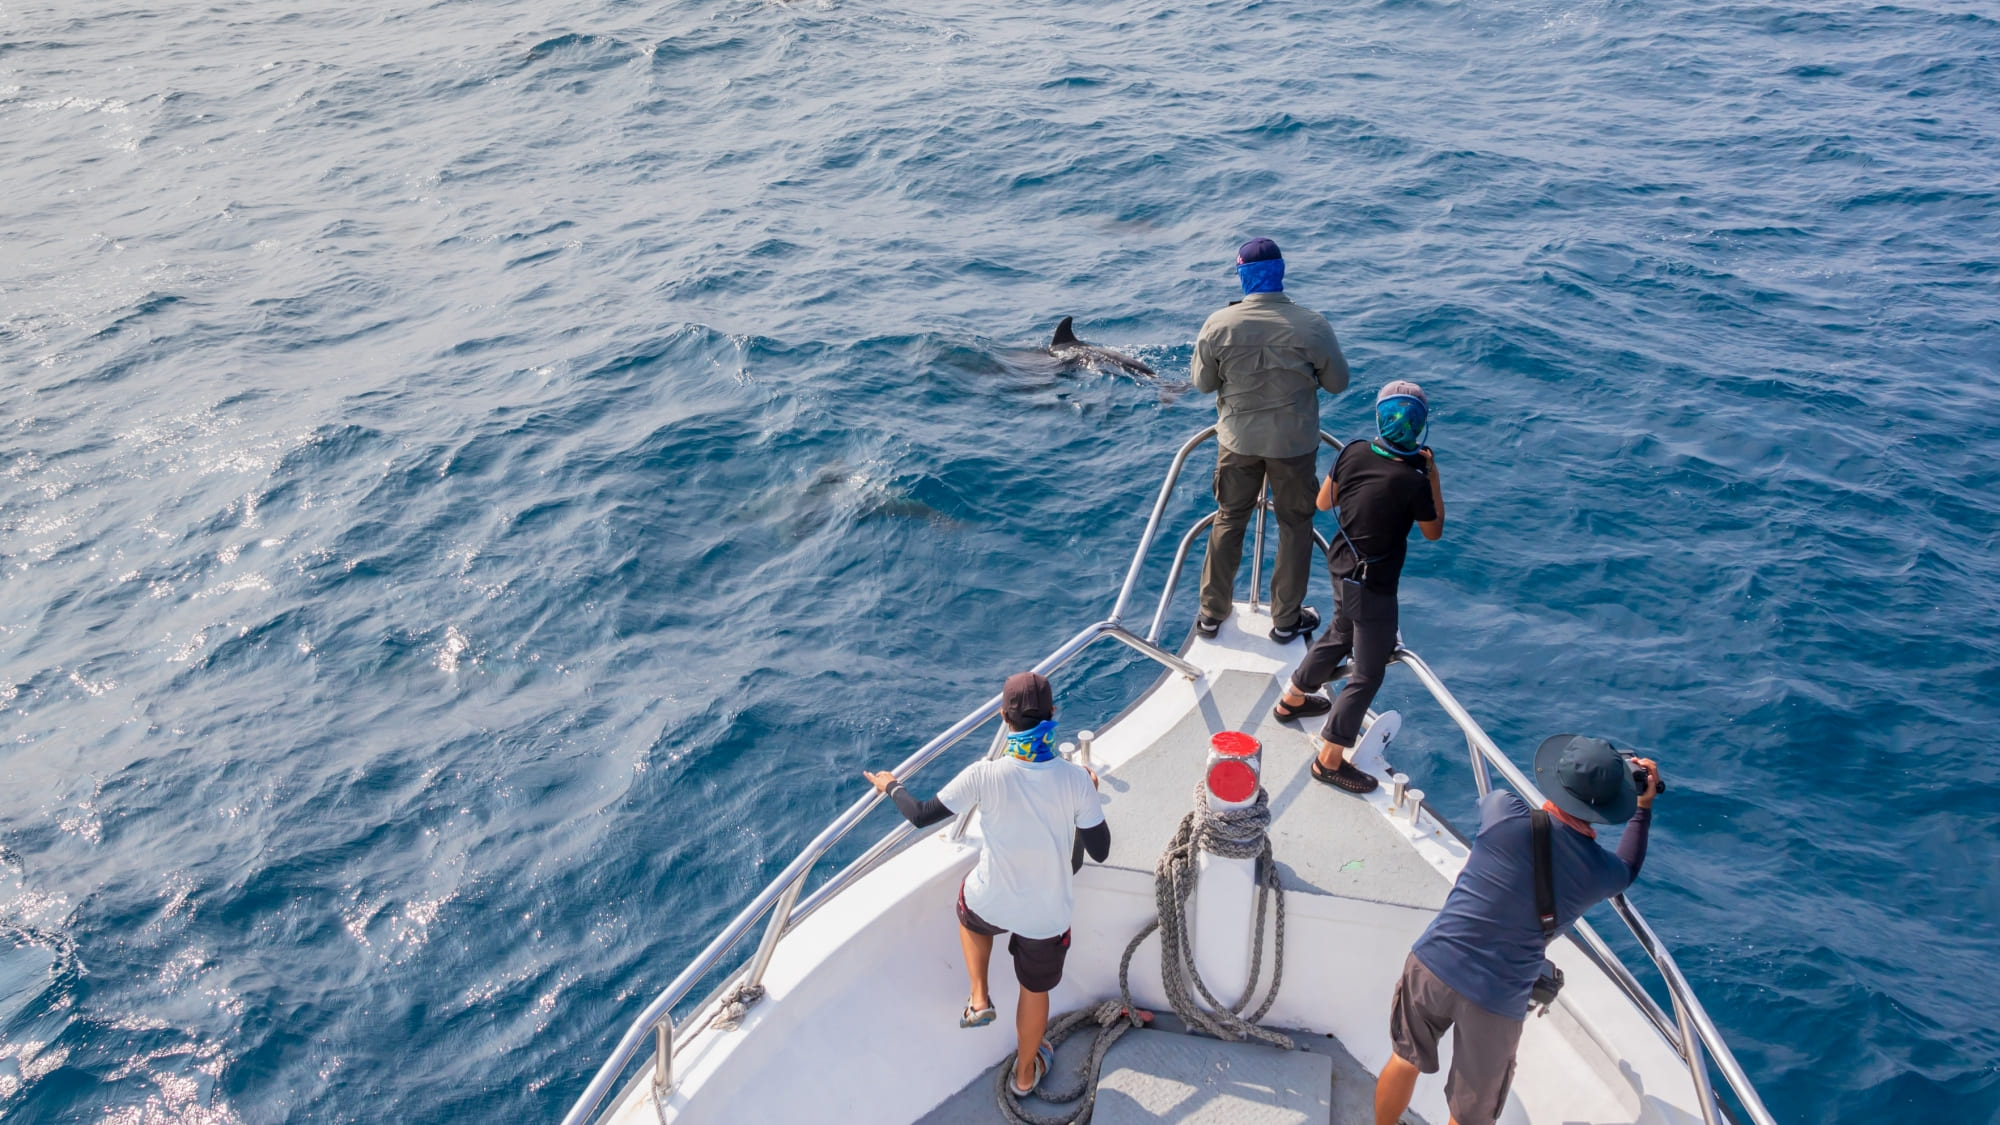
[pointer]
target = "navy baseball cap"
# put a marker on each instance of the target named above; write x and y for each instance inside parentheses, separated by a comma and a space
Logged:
(1257, 250)
(1586, 778)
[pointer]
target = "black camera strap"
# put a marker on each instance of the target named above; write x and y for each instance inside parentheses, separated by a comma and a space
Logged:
(1545, 875)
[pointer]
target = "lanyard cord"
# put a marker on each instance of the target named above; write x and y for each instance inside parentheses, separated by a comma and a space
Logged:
(1361, 573)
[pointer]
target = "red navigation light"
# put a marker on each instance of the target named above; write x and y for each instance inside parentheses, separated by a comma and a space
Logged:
(1232, 780)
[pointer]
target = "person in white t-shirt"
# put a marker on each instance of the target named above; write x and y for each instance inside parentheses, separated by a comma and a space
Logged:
(1037, 813)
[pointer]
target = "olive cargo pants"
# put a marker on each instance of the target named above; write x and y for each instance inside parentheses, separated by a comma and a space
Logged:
(1294, 487)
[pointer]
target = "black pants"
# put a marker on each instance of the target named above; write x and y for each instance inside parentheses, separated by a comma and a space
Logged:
(1294, 487)
(1364, 627)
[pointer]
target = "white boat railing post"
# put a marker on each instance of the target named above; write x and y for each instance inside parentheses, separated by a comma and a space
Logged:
(1153, 523)
(1697, 1065)
(1191, 671)
(1688, 1011)
(1479, 778)
(1174, 575)
(781, 917)
(1257, 546)
(663, 1058)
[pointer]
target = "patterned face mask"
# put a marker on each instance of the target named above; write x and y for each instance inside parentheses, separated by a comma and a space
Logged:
(1034, 744)
(1401, 420)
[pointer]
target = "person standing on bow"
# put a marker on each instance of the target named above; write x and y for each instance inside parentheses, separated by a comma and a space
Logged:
(1034, 807)
(1378, 489)
(1474, 970)
(1266, 360)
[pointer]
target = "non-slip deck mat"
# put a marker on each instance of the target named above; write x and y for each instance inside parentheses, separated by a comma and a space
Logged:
(1155, 1076)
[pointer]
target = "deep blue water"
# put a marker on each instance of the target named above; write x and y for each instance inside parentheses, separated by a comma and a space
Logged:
(480, 480)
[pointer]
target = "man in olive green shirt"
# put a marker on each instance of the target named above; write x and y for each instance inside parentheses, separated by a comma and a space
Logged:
(1266, 359)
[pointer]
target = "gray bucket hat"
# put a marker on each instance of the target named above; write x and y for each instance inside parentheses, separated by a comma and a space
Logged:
(1586, 778)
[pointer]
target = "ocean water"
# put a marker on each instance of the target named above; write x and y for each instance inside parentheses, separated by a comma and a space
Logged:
(480, 480)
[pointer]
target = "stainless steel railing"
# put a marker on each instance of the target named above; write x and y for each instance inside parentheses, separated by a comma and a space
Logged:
(1689, 1030)
(779, 898)
(1693, 1031)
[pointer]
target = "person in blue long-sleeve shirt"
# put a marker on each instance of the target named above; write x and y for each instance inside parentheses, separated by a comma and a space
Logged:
(1474, 968)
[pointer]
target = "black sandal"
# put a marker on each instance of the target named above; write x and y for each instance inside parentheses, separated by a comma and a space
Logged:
(1347, 777)
(1307, 622)
(1313, 705)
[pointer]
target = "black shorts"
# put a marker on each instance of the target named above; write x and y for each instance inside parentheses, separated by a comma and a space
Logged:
(1038, 962)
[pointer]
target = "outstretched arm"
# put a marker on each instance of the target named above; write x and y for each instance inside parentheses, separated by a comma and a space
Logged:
(923, 814)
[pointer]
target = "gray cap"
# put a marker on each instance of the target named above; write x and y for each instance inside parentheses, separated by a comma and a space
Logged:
(1402, 387)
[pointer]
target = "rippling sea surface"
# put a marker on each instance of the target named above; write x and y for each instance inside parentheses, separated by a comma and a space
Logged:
(480, 480)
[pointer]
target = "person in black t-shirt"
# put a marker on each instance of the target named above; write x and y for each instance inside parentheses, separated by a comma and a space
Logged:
(1382, 487)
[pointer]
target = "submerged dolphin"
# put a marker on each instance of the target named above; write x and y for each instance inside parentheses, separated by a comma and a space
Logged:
(1066, 346)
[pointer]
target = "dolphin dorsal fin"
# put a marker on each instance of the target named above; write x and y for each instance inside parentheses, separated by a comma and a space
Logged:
(1064, 334)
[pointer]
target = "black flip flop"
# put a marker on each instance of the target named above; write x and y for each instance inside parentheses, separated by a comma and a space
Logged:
(1313, 705)
(1347, 777)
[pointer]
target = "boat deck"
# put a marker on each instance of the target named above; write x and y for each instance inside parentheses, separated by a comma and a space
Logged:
(1324, 841)
(848, 1002)
(858, 1022)
(1162, 1074)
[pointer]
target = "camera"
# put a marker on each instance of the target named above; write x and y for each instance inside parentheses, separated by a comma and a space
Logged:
(1640, 773)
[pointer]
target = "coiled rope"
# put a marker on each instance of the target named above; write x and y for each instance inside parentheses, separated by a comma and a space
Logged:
(1242, 833)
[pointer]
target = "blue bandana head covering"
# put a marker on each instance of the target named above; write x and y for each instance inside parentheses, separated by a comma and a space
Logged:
(1260, 267)
(1262, 277)
(1401, 415)
(1033, 744)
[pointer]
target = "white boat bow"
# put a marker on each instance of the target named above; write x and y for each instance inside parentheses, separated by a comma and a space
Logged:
(847, 1008)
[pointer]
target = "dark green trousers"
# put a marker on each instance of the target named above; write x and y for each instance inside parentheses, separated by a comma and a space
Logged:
(1294, 486)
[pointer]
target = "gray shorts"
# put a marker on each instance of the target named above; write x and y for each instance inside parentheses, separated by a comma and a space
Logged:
(1482, 1044)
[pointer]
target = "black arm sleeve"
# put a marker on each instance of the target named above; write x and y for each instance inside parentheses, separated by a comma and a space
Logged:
(1096, 840)
(922, 815)
(1632, 845)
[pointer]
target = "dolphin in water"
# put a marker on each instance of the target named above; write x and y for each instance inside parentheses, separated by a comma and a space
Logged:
(1065, 346)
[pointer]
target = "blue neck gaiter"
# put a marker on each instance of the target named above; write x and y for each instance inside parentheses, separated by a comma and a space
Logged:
(1033, 744)
(1267, 276)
